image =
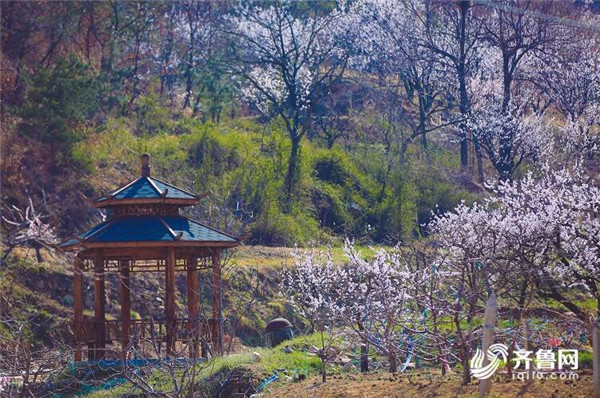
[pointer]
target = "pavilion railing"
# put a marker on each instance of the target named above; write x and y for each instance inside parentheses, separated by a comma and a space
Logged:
(144, 329)
(149, 265)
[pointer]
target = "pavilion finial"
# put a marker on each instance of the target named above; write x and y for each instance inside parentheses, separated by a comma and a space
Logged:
(145, 165)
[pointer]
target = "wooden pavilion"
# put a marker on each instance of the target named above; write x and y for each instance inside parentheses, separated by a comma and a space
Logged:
(144, 232)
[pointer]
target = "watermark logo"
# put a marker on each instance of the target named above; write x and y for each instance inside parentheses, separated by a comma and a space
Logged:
(495, 354)
(547, 364)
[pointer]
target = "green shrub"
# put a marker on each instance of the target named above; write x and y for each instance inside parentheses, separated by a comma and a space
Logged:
(394, 218)
(275, 228)
(152, 116)
(436, 194)
(211, 152)
(58, 101)
(586, 359)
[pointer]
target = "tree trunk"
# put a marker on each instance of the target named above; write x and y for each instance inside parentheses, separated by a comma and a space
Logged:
(479, 159)
(462, 79)
(466, 370)
(38, 254)
(393, 360)
(190, 59)
(442, 354)
(527, 346)
(505, 162)
(364, 351)
(596, 358)
(6, 253)
(364, 358)
(489, 323)
(423, 122)
(290, 178)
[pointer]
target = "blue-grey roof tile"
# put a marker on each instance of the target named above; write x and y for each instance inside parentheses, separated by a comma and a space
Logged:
(132, 229)
(193, 230)
(147, 188)
(149, 229)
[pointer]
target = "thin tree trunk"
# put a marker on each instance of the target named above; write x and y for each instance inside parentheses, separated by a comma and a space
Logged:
(505, 162)
(393, 360)
(38, 255)
(190, 60)
(462, 79)
(364, 351)
(423, 123)
(479, 158)
(7, 253)
(489, 323)
(290, 178)
(466, 370)
(596, 357)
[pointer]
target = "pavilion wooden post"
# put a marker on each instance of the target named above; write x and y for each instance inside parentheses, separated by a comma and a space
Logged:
(99, 301)
(193, 297)
(170, 300)
(125, 295)
(78, 306)
(217, 313)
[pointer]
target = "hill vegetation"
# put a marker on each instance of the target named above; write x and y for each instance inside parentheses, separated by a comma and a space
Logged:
(442, 155)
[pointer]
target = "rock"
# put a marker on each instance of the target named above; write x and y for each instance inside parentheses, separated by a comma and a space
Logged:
(332, 352)
(349, 367)
(287, 350)
(344, 359)
(255, 357)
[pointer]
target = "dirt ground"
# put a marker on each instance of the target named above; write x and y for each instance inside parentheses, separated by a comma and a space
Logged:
(427, 386)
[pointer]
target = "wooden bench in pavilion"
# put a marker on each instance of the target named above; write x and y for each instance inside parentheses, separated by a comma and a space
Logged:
(144, 232)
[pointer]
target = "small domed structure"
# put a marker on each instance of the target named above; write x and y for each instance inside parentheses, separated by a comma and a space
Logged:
(277, 331)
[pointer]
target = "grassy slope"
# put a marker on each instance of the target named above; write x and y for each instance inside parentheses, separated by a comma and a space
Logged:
(298, 361)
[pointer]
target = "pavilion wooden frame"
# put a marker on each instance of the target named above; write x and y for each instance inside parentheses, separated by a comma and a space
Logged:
(166, 259)
(200, 249)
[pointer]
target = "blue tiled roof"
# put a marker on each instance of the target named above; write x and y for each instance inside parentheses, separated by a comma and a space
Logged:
(193, 230)
(147, 188)
(150, 229)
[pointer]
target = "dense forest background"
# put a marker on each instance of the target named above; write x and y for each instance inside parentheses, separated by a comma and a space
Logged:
(303, 121)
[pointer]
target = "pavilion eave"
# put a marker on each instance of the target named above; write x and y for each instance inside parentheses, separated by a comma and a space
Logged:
(145, 201)
(159, 244)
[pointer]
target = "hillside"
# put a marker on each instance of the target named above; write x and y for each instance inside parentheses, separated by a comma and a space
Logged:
(42, 292)
(413, 184)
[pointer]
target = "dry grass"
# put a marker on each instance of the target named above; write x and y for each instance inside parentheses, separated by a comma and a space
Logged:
(427, 385)
(279, 257)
